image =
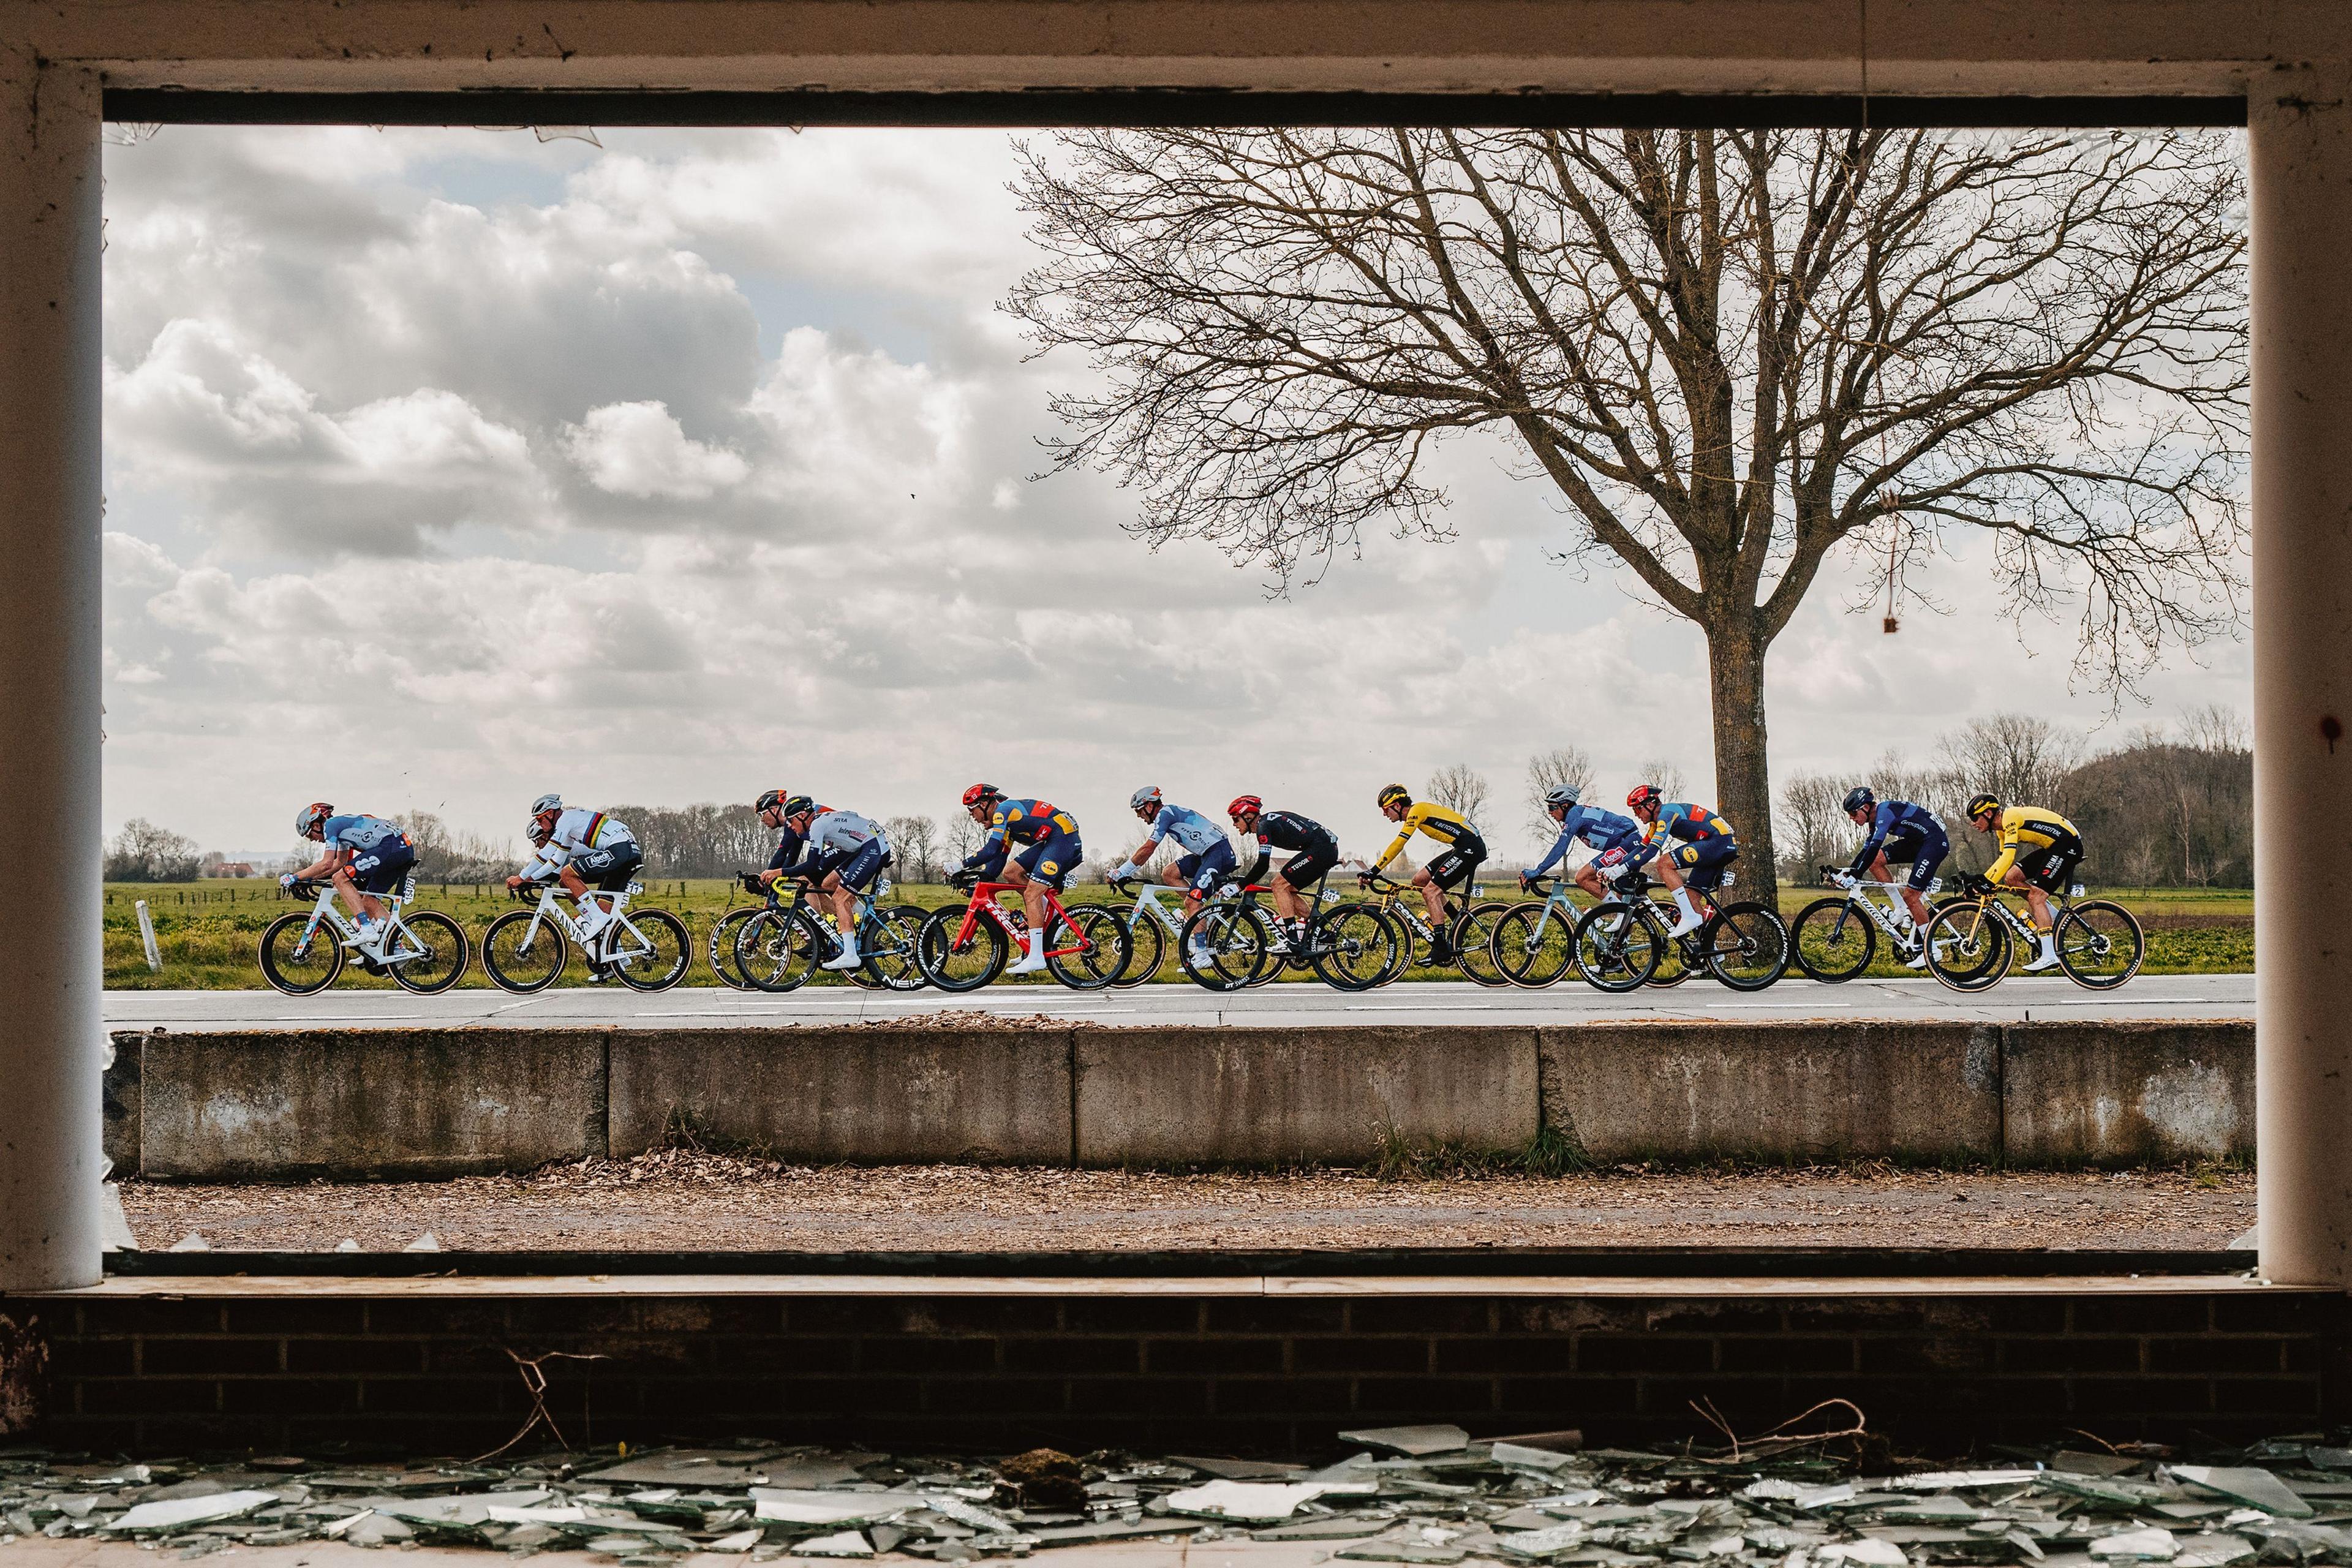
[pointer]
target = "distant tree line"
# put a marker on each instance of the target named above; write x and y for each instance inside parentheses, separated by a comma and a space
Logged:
(143, 852)
(2169, 807)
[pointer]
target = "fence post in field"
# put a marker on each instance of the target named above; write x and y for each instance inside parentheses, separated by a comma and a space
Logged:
(147, 935)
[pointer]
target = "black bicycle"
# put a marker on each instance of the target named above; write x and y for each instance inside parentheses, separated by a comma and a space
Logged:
(1622, 944)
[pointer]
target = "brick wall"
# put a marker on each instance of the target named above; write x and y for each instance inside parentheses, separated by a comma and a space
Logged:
(1229, 1373)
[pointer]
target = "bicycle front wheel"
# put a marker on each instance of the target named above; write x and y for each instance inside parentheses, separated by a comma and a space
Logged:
(296, 966)
(777, 949)
(1100, 938)
(523, 952)
(1532, 947)
(1222, 948)
(1616, 949)
(1473, 942)
(1747, 946)
(1353, 946)
(655, 956)
(959, 966)
(429, 952)
(1834, 942)
(722, 947)
(2099, 945)
(1147, 947)
(892, 937)
(1967, 946)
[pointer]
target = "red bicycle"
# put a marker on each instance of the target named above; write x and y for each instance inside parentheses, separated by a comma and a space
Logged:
(964, 948)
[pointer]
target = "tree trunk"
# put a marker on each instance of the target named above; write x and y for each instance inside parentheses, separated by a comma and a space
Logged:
(1743, 782)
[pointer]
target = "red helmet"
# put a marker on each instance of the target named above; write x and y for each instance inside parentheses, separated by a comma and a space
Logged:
(1644, 794)
(979, 792)
(1245, 806)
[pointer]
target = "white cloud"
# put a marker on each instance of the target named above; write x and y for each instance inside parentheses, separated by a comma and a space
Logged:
(638, 449)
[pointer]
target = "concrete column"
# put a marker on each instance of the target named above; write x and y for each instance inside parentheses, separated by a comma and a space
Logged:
(2300, 125)
(50, 1030)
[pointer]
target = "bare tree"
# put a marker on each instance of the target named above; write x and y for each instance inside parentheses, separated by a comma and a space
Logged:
(1547, 770)
(1670, 781)
(915, 844)
(1730, 353)
(1812, 824)
(1462, 788)
(2020, 757)
(143, 852)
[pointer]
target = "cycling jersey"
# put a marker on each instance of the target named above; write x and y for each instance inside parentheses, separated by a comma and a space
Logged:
(1597, 829)
(845, 833)
(1196, 833)
(577, 834)
(1050, 833)
(358, 834)
(2033, 833)
(1911, 825)
(1448, 826)
(1315, 850)
(1681, 820)
(787, 851)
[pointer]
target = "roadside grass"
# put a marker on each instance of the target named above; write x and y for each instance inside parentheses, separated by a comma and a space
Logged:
(208, 934)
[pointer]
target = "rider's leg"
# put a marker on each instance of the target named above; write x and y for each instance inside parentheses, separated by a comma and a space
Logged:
(348, 889)
(1433, 897)
(2037, 903)
(1032, 903)
(1590, 881)
(1670, 877)
(844, 917)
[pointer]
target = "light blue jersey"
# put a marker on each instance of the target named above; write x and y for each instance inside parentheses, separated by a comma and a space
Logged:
(1194, 833)
(359, 834)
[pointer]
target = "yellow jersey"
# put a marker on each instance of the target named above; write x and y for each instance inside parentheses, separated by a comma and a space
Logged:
(2030, 829)
(1426, 817)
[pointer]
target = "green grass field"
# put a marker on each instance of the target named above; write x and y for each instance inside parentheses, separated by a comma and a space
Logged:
(208, 932)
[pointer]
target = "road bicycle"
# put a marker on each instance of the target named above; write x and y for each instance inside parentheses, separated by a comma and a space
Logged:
(1621, 944)
(1534, 945)
(1971, 939)
(525, 949)
(786, 940)
(1151, 925)
(1472, 931)
(1349, 946)
(962, 948)
(303, 953)
(1836, 938)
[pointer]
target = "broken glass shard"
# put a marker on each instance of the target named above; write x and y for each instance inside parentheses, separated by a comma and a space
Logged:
(846, 1543)
(179, 1513)
(1412, 1441)
(2254, 1488)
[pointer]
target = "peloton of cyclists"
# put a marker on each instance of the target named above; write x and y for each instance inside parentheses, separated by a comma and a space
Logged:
(573, 845)
(1464, 852)
(1314, 850)
(1053, 852)
(364, 856)
(1615, 840)
(1207, 856)
(1691, 845)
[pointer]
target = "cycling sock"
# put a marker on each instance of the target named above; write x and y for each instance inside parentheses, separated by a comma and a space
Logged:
(1036, 942)
(1683, 902)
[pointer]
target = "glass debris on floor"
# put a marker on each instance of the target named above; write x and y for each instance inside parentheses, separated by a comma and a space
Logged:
(1412, 1494)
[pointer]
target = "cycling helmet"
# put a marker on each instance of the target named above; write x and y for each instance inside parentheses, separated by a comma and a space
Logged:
(1978, 804)
(1644, 795)
(539, 830)
(1859, 798)
(1245, 806)
(770, 799)
(981, 792)
(1395, 795)
(799, 805)
(1561, 796)
(546, 802)
(1143, 800)
(307, 820)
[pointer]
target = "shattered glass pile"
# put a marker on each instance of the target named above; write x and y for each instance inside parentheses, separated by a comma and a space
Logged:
(1419, 1494)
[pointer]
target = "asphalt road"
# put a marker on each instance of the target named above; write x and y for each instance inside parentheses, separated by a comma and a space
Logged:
(2014, 1000)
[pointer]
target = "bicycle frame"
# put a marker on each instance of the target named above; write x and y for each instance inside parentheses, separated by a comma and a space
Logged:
(550, 910)
(983, 898)
(403, 946)
(2020, 924)
(1148, 905)
(1881, 908)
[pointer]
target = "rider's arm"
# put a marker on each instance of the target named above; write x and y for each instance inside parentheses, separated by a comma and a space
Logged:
(1405, 830)
(1568, 830)
(1879, 824)
(1265, 857)
(2000, 868)
(331, 860)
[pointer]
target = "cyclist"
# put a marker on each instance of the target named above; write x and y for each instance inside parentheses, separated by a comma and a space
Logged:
(1053, 852)
(1314, 851)
(1899, 831)
(1208, 854)
(364, 856)
(1706, 846)
(2039, 851)
(574, 844)
(789, 843)
(1464, 852)
(847, 853)
(1617, 841)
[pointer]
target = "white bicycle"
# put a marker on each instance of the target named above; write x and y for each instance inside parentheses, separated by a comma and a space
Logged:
(524, 949)
(303, 953)
(1836, 938)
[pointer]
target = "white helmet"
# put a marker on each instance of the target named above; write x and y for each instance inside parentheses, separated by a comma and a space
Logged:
(547, 803)
(1144, 799)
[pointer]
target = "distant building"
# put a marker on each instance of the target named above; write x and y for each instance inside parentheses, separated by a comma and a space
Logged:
(226, 869)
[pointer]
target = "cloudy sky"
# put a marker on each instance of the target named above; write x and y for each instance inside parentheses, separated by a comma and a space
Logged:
(446, 466)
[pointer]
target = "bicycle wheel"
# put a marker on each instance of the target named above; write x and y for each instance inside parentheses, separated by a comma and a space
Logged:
(1833, 940)
(297, 967)
(1531, 947)
(1967, 946)
(1101, 937)
(1146, 946)
(722, 947)
(1221, 947)
(2099, 945)
(656, 957)
(777, 949)
(518, 958)
(892, 934)
(1353, 946)
(1747, 946)
(1473, 942)
(953, 968)
(429, 952)
(1616, 948)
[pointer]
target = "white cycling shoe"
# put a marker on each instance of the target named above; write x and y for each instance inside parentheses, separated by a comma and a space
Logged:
(2048, 961)
(1917, 960)
(845, 959)
(1032, 964)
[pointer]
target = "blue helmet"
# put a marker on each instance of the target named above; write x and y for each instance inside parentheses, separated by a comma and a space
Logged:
(1859, 798)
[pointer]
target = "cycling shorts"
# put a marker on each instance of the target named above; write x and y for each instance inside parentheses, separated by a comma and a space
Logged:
(1702, 864)
(609, 870)
(2052, 868)
(1312, 863)
(380, 870)
(1053, 858)
(1459, 863)
(1925, 850)
(1203, 871)
(856, 868)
